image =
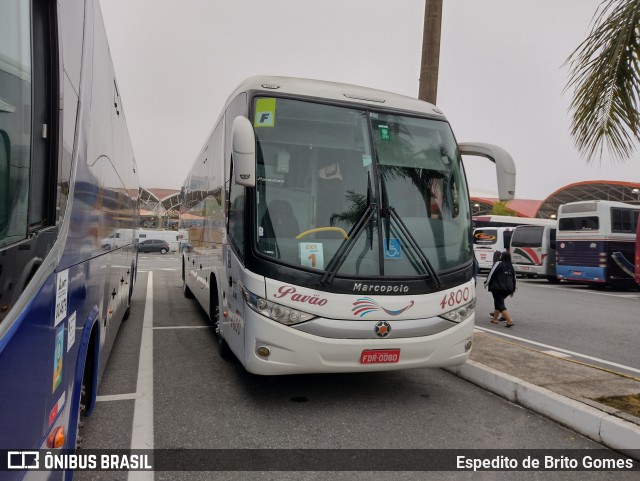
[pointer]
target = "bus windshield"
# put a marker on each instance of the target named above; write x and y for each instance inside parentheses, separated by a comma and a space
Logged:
(324, 174)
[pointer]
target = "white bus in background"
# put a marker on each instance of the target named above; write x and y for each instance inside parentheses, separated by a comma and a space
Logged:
(170, 236)
(533, 250)
(489, 240)
(333, 230)
(506, 221)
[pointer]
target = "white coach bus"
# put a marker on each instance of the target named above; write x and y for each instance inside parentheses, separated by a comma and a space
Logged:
(330, 229)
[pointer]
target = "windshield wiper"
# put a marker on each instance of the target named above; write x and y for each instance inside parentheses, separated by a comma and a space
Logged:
(389, 212)
(345, 248)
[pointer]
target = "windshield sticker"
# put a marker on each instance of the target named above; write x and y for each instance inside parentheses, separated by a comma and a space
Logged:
(367, 305)
(366, 160)
(57, 358)
(385, 133)
(311, 255)
(265, 113)
(392, 250)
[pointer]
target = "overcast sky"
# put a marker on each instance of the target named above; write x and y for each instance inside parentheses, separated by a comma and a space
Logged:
(501, 73)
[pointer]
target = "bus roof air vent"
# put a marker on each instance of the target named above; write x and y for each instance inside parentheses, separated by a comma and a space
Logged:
(368, 99)
(270, 86)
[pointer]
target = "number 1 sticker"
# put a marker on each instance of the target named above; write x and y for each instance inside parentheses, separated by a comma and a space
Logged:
(311, 255)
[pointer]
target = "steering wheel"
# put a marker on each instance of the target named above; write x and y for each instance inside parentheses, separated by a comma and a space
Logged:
(323, 229)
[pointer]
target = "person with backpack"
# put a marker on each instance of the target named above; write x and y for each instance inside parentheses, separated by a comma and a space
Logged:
(496, 258)
(501, 282)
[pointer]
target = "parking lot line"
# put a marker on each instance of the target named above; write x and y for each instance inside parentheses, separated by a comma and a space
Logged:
(142, 432)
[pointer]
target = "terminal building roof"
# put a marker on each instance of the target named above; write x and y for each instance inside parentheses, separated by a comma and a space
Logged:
(627, 192)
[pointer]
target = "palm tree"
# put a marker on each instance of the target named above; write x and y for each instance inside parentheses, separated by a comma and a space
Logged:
(605, 72)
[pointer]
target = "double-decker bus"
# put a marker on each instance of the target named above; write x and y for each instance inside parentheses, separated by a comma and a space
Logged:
(329, 229)
(68, 180)
(596, 242)
(533, 250)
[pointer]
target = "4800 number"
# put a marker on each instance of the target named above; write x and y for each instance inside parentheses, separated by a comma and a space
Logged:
(455, 297)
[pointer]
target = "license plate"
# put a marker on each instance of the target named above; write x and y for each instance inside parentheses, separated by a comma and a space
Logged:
(378, 356)
(576, 273)
(524, 268)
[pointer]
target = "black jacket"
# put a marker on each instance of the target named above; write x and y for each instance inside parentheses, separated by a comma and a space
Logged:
(502, 278)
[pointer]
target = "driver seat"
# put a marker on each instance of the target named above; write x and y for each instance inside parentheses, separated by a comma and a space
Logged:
(283, 220)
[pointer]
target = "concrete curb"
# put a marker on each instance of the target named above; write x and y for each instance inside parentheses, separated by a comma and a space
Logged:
(597, 425)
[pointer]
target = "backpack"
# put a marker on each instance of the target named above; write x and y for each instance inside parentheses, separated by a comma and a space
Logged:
(502, 279)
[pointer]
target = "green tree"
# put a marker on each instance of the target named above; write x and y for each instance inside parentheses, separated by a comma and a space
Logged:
(605, 73)
(500, 208)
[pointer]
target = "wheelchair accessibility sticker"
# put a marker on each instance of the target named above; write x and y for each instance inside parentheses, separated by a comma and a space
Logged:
(392, 249)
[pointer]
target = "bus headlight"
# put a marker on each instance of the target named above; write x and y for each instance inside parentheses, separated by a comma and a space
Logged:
(277, 312)
(461, 313)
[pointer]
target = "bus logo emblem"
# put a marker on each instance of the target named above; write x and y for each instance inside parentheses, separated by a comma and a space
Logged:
(382, 329)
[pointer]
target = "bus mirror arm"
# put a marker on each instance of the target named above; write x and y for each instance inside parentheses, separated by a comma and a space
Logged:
(243, 143)
(505, 167)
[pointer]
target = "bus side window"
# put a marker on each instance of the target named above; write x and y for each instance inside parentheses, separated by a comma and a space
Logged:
(236, 215)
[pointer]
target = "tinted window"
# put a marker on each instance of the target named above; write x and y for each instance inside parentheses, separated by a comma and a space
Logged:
(579, 223)
(236, 193)
(529, 236)
(623, 220)
(236, 215)
(15, 119)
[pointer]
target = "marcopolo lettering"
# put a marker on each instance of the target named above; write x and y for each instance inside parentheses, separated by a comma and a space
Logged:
(268, 179)
(399, 288)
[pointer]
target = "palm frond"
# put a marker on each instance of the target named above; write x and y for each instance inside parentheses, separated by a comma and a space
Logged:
(605, 73)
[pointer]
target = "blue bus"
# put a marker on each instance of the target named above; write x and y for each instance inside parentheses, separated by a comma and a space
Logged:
(596, 242)
(67, 180)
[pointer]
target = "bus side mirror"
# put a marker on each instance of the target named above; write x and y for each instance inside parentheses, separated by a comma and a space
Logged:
(505, 167)
(243, 142)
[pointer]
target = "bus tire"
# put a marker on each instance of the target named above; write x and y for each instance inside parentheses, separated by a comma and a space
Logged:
(553, 279)
(132, 276)
(224, 349)
(86, 388)
(186, 291)
(214, 316)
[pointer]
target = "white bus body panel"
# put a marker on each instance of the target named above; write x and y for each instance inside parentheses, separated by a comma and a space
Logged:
(294, 351)
(484, 253)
